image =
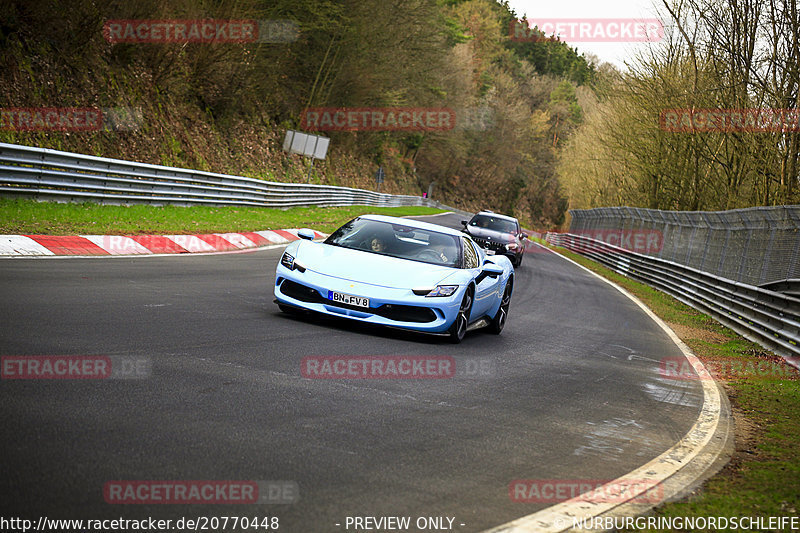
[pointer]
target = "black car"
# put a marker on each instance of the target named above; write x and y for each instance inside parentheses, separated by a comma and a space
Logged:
(497, 233)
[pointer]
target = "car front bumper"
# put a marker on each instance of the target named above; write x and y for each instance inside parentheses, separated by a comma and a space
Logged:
(399, 308)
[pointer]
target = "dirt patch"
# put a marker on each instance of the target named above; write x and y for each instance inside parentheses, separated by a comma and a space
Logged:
(688, 332)
(748, 432)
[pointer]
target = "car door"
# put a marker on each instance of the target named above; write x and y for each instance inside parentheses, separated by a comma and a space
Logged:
(486, 289)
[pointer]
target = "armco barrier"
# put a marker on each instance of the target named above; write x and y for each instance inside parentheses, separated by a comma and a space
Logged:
(47, 174)
(769, 318)
(754, 245)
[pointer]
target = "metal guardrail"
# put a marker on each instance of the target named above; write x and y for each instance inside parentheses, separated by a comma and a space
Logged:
(62, 176)
(755, 245)
(769, 318)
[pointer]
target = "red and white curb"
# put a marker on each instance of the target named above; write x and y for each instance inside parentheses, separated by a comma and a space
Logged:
(98, 245)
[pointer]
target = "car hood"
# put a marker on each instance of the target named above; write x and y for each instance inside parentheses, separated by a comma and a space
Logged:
(497, 236)
(367, 267)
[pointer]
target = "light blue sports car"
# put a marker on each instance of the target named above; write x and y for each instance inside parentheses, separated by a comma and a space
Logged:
(400, 273)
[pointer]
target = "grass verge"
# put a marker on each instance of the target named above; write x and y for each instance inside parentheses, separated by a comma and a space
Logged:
(763, 477)
(28, 217)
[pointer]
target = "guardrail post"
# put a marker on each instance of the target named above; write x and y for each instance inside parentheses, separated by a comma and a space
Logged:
(39, 176)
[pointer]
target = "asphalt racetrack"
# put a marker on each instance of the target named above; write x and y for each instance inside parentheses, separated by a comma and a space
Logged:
(571, 390)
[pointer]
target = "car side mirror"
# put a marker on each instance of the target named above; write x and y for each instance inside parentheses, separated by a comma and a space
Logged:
(489, 270)
(464, 223)
(493, 270)
(523, 235)
(306, 234)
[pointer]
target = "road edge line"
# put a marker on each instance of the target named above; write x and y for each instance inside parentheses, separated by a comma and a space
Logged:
(702, 449)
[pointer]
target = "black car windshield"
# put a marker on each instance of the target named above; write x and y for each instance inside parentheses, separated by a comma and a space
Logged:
(398, 240)
(493, 223)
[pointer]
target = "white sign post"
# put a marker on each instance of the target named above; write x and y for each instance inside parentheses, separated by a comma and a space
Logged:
(309, 145)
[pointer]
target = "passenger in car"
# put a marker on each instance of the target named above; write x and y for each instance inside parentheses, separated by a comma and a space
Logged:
(377, 245)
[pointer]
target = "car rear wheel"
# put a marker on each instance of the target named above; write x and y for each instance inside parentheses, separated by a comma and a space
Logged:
(459, 327)
(499, 321)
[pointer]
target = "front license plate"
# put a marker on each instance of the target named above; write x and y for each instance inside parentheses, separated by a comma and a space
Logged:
(349, 299)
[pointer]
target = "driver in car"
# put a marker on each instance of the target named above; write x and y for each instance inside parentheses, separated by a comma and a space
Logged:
(443, 249)
(377, 245)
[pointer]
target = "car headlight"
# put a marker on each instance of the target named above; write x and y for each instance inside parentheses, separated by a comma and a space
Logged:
(443, 290)
(287, 260)
(513, 247)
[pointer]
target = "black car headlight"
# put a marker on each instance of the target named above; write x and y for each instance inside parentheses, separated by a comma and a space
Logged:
(439, 290)
(287, 260)
(291, 263)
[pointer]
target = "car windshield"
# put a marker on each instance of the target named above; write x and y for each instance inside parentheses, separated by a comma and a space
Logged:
(398, 240)
(493, 223)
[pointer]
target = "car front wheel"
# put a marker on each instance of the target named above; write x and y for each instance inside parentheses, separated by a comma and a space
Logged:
(499, 321)
(459, 327)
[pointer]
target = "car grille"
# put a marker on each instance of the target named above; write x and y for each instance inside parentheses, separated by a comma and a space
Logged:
(301, 292)
(399, 312)
(406, 313)
(490, 245)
